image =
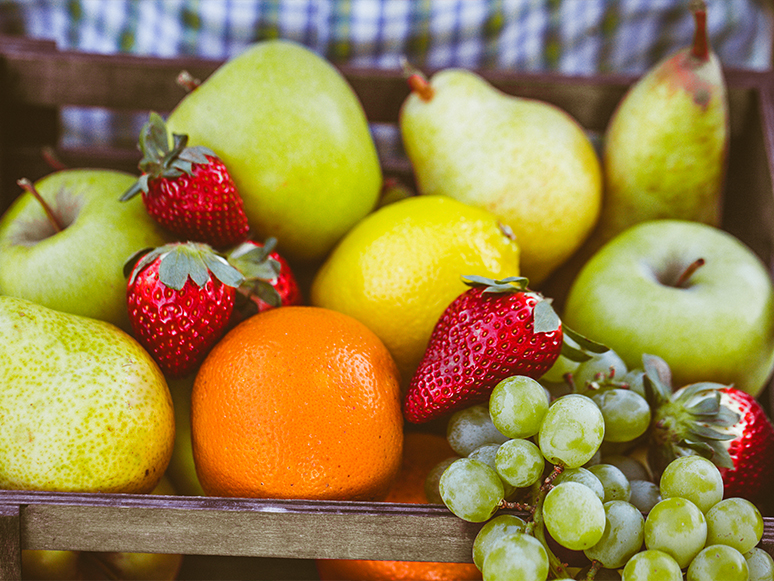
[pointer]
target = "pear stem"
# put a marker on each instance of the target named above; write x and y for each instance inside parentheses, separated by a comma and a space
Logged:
(187, 81)
(26, 185)
(417, 81)
(688, 272)
(700, 48)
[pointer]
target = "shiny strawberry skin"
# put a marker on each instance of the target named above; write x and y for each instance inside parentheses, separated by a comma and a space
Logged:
(203, 206)
(752, 451)
(480, 339)
(178, 328)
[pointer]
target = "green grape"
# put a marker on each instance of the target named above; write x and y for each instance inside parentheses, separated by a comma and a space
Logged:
(632, 468)
(471, 428)
(432, 492)
(572, 431)
(488, 454)
(495, 528)
(597, 369)
(623, 536)
(676, 526)
(582, 476)
(614, 482)
(519, 462)
(735, 522)
(517, 406)
(471, 490)
(694, 478)
(516, 557)
(718, 563)
(635, 379)
(645, 495)
(626, 413)
(760, 565)
(652, 565)
(574, 515)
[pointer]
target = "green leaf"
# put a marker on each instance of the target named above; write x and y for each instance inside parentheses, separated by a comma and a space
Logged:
(174, 269)
(545, 318)
(708, 406)
(658, 374)
(725, 418)
(265, 292)
(196, 154)
(584, 342)
(705, 433)
(222, 270)
(701, 448)
(574, 354)
(508, 284)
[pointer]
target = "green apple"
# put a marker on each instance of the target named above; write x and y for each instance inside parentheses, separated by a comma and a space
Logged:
(295, 139)
(79, 269)
(181, 471)
(647, 291)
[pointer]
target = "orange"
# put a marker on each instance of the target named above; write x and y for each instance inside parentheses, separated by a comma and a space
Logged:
(298, 402)
(421, 452)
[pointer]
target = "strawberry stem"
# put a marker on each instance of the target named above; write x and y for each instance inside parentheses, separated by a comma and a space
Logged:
(688, 272)
(26, 185)
(700, 48)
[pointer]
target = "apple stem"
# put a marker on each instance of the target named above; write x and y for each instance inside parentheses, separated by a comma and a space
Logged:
(688, 272)
(50, 157)
(417, 81)
(26, 185)
(700, 45)
(187, 81)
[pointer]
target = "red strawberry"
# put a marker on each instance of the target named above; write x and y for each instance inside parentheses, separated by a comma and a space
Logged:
(269, 280)
(188, 190)
(494, 330)
(719, 422)
(180, 298)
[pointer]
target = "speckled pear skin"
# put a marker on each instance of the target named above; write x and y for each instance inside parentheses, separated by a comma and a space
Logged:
(83, 407)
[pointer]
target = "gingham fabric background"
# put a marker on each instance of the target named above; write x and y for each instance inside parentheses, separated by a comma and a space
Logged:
(570, 36)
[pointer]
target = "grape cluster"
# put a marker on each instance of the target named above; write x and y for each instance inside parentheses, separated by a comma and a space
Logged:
(541, 471)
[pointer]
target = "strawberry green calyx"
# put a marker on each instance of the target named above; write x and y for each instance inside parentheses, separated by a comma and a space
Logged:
(545, 318)
(159, 161)
(180, 261)
(688, 421)
(259, 268)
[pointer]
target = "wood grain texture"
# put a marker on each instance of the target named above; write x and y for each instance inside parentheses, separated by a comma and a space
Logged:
(10, 542)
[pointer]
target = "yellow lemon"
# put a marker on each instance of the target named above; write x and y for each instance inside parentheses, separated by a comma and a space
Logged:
(400, 267)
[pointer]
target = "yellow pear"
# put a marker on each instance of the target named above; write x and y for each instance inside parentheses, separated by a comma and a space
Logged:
(665, 147)
(84, 407)
(526, 161)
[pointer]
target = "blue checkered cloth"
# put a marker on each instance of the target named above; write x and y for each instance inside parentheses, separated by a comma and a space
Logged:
(576, 37)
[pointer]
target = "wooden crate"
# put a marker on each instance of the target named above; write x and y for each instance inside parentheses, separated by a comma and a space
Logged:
(36, 80)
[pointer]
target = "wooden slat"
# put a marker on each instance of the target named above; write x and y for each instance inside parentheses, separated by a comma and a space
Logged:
(240, 527)
(10, 545)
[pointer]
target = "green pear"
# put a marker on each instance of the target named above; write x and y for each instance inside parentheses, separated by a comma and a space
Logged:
(526, 161)
(79, 269)
(666, 145)
(85, 408)
(294, 137)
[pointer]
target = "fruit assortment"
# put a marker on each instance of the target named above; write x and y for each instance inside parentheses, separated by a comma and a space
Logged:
(587, 443)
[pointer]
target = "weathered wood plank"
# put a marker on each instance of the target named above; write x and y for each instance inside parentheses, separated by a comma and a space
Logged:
(241, 527)
(10, 544)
